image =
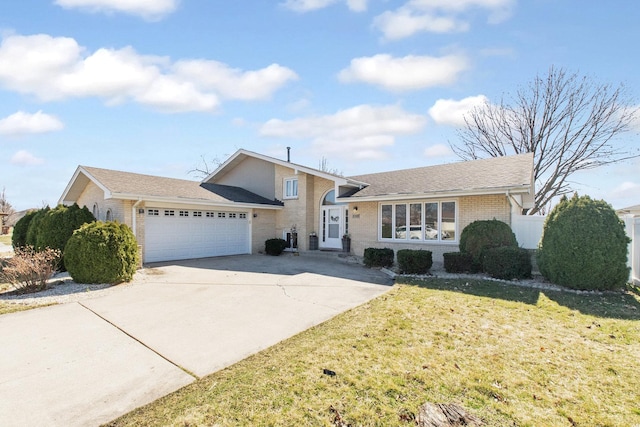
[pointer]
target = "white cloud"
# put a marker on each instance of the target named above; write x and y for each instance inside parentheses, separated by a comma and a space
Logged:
(303, 6)
(437, 16)
(147, 9)
(21, 123)
(233, 83)
(405, 23)
(438, 150)
(357, 5)
(451, 112)
(624, 194)
(25, 158)
(364, 131)
(406, 73)
(54, 68)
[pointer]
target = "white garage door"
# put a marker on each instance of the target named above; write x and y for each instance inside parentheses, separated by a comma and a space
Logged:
(172, 234)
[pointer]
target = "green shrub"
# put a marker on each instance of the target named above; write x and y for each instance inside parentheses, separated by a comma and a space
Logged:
(481, 235)
(19, 237)
(458, 262)
(102, 252)
(414, 261)
(34, 228)
(584, 245)
(375, 257)
(58, 224)
(507, 262)
(275, 246)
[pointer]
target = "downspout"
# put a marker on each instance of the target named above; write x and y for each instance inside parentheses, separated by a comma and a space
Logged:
(513, 203)
(134, 229)
(510, 208)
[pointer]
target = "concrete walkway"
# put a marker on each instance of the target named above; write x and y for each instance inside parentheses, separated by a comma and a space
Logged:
(88, 362)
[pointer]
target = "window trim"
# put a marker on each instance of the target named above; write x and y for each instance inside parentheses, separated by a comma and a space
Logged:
(422, 202)
(293, 187)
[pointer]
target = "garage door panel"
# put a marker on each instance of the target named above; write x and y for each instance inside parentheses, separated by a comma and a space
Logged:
(183, 237)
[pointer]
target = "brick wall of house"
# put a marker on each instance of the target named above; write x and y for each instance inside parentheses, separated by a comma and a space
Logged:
(121, 210)
(364, 226)
(303, 212)
(473, 208)
(93, 195)
(295, 210)
(263, 226)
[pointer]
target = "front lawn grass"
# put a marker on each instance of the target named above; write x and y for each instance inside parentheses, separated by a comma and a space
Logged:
(5, 238)
(512, 356)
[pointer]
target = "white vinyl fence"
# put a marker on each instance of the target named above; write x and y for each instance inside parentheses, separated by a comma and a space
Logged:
(632, 225)
(528, 229)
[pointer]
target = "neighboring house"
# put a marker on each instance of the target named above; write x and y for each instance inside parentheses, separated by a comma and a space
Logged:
(631, 210)
(631, 218)
(252, 197)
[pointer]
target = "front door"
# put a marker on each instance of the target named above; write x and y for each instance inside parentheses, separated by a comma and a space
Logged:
(332, 227)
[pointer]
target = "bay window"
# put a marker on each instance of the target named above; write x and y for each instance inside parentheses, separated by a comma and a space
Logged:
(415, 222)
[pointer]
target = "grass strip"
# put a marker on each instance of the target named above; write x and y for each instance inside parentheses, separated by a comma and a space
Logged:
(509, 355)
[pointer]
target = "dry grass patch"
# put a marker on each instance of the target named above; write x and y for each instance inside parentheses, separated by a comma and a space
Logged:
(509, 355)
(5, 239)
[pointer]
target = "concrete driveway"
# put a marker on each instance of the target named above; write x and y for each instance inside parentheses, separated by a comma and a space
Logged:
(88, 362)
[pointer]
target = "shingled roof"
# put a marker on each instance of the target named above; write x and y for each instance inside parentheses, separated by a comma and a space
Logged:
(123, 185)
(476, 176)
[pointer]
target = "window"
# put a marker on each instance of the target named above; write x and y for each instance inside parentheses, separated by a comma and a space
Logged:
(291, 188)
(386, 222)
(169, 213)
(426, 222)
(108, 215)
(184, 213)
(211, 214)
(197, 213)
(96, 211)
(221, 215)
(153, 212)
(232, 215)
(243, 215)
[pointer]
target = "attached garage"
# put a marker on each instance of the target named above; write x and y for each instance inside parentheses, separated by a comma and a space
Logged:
(173, 234)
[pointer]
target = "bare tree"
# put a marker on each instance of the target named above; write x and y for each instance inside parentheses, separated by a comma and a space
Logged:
(568, 121)
(6, 209)
(204, 168)
(323, 165)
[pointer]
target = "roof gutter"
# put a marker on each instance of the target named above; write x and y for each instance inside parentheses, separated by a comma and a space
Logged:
(440, 194)
(199, 202)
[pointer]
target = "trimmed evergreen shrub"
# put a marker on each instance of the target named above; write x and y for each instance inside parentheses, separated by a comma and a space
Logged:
(481, 235)
(102, 252)
(507, 262)
(58, 224)
(19, 237)
(275, 246)
(376, 257)
(34, 228)
(458, 262)
(584, 245)
(414, 261)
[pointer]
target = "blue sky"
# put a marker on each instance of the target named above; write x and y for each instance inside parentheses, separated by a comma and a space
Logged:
(151, 86)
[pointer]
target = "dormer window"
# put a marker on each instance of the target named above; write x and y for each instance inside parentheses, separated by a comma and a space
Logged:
(291, 188)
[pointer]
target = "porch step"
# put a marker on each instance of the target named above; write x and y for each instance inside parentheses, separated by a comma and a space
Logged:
(336, 254)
